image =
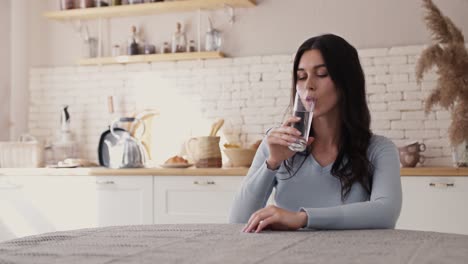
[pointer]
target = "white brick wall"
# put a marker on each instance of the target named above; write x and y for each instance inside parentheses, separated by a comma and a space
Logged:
(251, 93)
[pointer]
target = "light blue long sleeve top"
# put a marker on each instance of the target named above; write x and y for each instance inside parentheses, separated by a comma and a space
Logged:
(315, 191)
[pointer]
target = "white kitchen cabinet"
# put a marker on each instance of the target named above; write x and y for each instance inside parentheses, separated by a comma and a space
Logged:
(191, 199)
(16, 214)
(37, 204)
(123, 200)
(46, 204)
(435, 204)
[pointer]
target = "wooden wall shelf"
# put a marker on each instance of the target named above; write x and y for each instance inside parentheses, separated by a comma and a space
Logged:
(151, 58)
(146, 9)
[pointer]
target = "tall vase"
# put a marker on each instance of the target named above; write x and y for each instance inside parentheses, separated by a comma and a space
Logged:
(460, 155)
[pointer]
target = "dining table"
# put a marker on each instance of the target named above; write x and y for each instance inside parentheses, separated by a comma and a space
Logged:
(226, 243)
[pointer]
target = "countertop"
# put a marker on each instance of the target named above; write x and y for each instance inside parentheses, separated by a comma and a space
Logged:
(225, 243)
(100, 171)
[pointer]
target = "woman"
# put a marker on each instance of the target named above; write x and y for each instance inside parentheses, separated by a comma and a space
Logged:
(347, 178)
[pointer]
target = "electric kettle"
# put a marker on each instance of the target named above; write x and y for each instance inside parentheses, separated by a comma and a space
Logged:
(127, 152)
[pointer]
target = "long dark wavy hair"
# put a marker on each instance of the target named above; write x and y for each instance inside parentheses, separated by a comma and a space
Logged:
(342, 61)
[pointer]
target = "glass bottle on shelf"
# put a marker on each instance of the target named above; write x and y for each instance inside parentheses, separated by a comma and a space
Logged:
(213, 38)
(179, 41)
(133, 43)
(90, 47)
(192, 47)
(165, 48)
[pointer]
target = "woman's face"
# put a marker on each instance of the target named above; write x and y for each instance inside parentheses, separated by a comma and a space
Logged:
(314, 83)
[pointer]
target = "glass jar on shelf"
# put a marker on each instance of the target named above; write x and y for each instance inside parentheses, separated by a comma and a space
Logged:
(101, 3)
(165, 48)
(213, 38)
(86, 3)
(192, 47)
(149, 49)
(116, 50)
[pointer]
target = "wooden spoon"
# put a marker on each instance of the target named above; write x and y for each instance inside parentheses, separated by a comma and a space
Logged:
(218, 126)
(213, 126)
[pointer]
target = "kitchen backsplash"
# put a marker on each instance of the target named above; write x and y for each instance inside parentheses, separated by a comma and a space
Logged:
(250, 93)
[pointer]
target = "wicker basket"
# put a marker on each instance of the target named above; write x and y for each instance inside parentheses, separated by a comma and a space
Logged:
(21, 154)
(240, 157)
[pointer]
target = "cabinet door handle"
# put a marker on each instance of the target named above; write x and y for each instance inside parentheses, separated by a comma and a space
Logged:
(105, 182)
(441, 184)
(204, 182)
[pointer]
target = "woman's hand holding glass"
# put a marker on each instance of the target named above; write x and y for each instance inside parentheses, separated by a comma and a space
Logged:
(279, 139)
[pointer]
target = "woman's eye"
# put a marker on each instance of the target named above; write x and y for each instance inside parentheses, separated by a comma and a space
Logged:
(301, 78)
(322, 74)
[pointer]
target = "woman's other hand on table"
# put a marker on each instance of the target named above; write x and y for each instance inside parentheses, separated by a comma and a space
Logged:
(275, 218)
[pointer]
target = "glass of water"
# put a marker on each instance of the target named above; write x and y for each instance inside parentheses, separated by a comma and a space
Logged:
(303, 108)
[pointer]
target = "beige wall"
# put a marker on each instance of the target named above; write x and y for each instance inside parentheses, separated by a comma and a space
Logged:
(20, 51)
(4, 69)
(273, 27)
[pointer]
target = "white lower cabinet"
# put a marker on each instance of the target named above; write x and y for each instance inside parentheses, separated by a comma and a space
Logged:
(191, 199)
(16, 214)
(435, 204)
(45, 204)
(36, 204)
(123, 200)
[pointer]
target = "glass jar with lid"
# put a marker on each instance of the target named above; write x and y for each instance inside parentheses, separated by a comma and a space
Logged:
(213, 38)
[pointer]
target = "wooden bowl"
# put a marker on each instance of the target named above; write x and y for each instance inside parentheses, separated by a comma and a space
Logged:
(240, 157)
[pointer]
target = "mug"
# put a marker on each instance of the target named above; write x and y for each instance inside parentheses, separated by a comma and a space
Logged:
(410, 159)
(204, 151)
(410, 154)
(413, 147)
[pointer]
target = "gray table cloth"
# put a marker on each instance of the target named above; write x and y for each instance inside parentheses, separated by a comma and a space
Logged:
(225, 243)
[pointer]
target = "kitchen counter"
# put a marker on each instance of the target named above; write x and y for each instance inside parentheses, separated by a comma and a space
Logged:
(100, 171)
(434, 171)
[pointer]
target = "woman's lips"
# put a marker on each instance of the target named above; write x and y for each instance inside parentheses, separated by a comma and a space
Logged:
(311, 101)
